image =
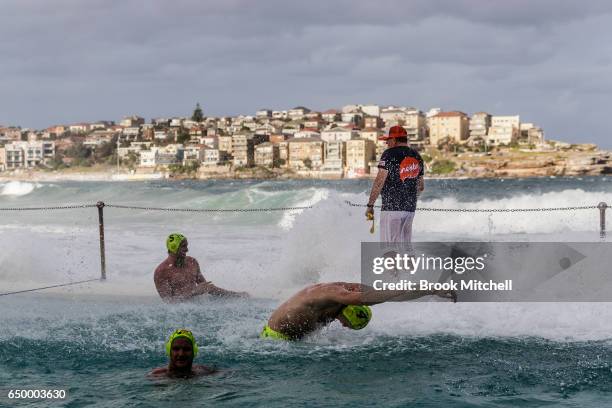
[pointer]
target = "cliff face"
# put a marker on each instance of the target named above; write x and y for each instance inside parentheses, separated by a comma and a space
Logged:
(521, 164)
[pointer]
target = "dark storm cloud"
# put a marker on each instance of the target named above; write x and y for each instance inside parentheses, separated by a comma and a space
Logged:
(73, 60)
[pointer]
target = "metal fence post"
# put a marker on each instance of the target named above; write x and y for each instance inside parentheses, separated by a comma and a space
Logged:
(100, 205)
(602, 219)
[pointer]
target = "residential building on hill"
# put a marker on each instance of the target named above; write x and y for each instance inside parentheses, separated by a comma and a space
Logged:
(448, 125)
(306, 154)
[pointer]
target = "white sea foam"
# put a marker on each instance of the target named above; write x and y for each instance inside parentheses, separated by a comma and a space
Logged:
(18, 188)
(538, 222)
(289, 216)
(275, 258)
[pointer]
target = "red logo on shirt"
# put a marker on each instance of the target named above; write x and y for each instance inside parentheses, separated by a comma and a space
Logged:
(409, 168)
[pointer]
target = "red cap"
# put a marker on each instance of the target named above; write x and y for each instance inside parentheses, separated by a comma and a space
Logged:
(394, 132)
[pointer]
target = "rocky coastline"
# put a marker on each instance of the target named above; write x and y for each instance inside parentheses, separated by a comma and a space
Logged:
(499, 164)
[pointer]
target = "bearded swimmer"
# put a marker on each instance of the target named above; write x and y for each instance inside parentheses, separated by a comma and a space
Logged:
(318, 305)
(179, 278)
(181, 349)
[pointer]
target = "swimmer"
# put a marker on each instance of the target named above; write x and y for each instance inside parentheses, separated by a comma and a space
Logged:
(181, 349)
(318, 305)
(179, 278)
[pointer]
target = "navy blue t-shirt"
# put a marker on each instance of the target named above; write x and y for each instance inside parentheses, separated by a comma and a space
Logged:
(405, 166)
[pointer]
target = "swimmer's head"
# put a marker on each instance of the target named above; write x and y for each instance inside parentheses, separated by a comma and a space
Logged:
(174, 241)
(181, 347)
(355, 317)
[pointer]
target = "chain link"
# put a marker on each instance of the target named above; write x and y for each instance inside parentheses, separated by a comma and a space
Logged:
(492, 210)
(59, 207)
(247, 210)
(206, 210)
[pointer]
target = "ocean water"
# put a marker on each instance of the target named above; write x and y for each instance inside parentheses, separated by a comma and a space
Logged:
(99, 340)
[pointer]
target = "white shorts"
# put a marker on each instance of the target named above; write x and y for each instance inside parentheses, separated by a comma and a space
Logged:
(396, 226)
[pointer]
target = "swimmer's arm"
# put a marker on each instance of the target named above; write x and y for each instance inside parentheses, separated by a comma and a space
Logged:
(206, 287)
(368, 296)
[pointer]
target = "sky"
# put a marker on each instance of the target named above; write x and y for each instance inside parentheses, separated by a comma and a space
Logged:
(67, 61)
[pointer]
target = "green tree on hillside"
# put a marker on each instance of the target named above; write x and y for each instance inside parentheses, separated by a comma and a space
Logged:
(182, 136)
(198, 115)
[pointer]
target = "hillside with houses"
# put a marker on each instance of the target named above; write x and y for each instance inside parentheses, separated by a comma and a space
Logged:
(296, 143)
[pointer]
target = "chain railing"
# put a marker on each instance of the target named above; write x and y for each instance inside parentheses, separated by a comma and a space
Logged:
(494, 210)
(207, 210)
(602, 206)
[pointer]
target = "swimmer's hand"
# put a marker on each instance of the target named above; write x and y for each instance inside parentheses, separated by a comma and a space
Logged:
(447, 294)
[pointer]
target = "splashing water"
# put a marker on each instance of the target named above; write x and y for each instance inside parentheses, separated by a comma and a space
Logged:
(99, 339)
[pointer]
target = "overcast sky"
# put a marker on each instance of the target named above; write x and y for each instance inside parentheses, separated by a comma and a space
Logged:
(550, 61)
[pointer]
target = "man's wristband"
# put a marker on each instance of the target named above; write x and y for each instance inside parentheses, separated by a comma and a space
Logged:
(370, 205)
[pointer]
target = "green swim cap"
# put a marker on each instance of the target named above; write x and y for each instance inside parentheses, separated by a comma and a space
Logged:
(357, 316)
(174, 242)
(182, 334)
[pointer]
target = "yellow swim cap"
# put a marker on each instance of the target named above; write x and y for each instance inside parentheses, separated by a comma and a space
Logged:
(174, 242)
(358, 317)
(182, 334)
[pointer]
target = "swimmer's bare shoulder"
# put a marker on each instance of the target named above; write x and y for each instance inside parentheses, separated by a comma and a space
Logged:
(204, 370)
(159, 372)
(196, 370)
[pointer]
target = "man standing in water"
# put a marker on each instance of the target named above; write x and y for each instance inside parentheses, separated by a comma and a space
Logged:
(318, 305)
(399, 180)
(181, 349)
(179, 278)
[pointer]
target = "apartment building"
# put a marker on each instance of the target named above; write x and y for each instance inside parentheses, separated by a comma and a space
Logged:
(225, 144)
(27, 154)
(371, 134)
(306, 154)
(283, 153)
(243, 146)
(503, 130)
(79, 128)
(99, 137)
(193, 154)
(212, 157)
(480, 122)
(266, 154)
(373, 122)
(162, 156)
(452, 125)
(330, 115)
(263, 113)
(415, 125)
(131, 121)
(315, 123)
(298, 112)
(339, 134)
(307, 133)
(359, 153)
(334, 158)
(353, 117)
(243, 150)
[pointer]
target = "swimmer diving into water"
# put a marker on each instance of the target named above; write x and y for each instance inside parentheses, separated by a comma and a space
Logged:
(179, 278)
(181, 349)
(318, 305)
